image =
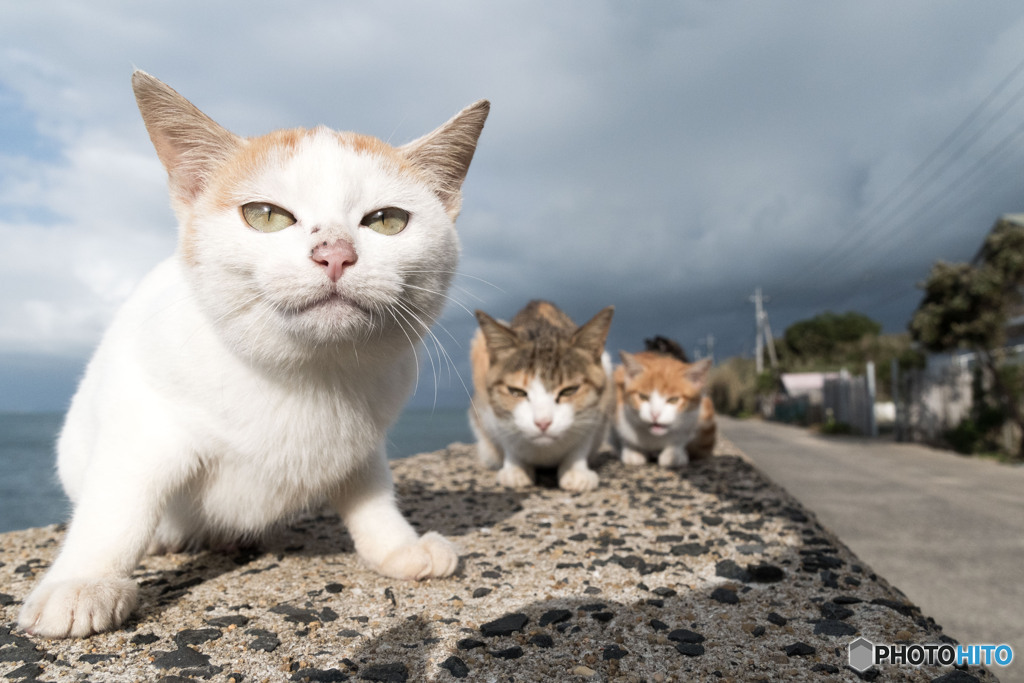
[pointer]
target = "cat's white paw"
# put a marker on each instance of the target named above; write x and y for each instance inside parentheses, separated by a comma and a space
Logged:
(76, 608)
(634, 458)
(488, 455)
(514, 477)
(673, 457)
(578, 480)
(165, 546)
(431, 555)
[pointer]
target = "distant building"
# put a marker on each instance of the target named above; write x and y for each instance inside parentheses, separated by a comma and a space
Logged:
(937, 398)
(809, 384)
(803, 397)
(816, 397)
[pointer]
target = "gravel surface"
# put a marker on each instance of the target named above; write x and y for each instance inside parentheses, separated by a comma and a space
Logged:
(708, 573)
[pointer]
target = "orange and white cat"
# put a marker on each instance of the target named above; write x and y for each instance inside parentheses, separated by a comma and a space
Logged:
(661, 410)
(254, 373)
(542, 394)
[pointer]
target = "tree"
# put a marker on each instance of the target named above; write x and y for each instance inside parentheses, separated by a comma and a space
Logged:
(822, 335)
(966, 306)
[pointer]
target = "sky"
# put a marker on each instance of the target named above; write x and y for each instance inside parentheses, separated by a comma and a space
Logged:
(667, 158)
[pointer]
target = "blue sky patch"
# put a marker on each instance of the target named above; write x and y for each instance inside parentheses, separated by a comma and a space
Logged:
(19, 135)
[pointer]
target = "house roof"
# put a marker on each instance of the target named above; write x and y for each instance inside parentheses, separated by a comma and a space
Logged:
(801, 383)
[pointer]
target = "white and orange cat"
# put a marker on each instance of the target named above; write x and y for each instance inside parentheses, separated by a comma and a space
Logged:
(661, 410)
(542, 394)
(253, 374)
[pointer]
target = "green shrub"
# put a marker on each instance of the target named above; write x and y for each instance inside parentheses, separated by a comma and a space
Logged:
(965, 437)
(733, 387)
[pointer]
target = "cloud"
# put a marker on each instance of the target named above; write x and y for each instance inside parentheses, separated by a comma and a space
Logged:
(99, 228)
(664, 157)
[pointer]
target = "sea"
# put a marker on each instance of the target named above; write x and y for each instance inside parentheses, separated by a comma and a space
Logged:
(31, 496)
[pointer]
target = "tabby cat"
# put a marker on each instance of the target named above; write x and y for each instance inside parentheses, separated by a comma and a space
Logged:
(543, 394)
(661, 410)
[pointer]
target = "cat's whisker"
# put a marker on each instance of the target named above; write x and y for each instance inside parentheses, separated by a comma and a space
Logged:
(457, 274)
(468, 293)
(382, 310)
(406, 311)
(371, 325)
(157, 312)
(400, 123)
(258, 322)
(450, 335)
(417, 311)
(452, 365)
(438, 294)
(448, 358)
(412, 344)
(239, 306)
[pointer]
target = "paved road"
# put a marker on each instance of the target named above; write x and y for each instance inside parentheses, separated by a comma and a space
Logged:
(946, 530)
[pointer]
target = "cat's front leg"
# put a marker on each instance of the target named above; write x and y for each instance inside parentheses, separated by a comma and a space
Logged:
(487, 452)
(575, 475)
(633, 457)
(382, 536)
(515, 475)
(673, 456)
(88, 588)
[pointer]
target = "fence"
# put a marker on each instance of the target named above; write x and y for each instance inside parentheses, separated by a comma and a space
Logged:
(931, 401)
(813, 397)
(851, 400)
(928, 402)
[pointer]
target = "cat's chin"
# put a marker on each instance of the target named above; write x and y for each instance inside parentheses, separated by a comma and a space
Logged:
(331, 318)
(330, 305)
(658, 430)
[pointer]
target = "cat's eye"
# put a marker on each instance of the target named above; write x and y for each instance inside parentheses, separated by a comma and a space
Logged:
(568, 391)
(266, 217)
(515, 391)
(672, 399)
(644, 397)
(389, 221)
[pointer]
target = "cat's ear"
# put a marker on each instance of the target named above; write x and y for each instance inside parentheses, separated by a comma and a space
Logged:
(591, 336)
(189, 143)
(697, 373)
(500, 339)
(634, 368)
(446, 152)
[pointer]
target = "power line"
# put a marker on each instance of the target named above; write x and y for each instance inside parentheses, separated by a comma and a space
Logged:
(956, 155)
(863, 226)
(947, 196)
(884, 228)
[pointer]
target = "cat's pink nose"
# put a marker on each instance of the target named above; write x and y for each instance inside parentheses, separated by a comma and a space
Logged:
(334, 257)
(543, 423)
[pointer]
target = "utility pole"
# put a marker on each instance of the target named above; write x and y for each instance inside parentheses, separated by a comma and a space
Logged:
(764, 331)
(759, 347)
